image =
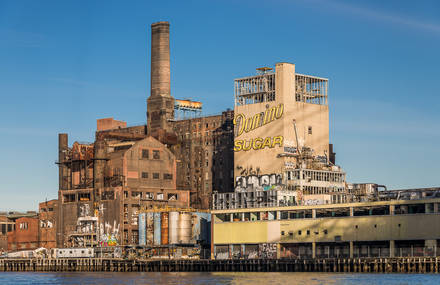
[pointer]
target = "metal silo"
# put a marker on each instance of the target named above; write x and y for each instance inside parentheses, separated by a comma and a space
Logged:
(185, 227)
(157, 229)
(142, 229)
(173, 225)
(164, 228)
(150, 228)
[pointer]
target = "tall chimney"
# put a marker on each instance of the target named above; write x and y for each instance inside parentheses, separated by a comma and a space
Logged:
(160, 104)
(160, 59)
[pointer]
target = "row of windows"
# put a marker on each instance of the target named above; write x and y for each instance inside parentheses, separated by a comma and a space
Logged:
(323, 213)
(312, 175)
(146, 154)
(150, 195)
(166, 176)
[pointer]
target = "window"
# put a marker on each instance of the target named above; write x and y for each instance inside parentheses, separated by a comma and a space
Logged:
(155, 175)
(167, 176)
(282, 233)
(325, 232)
(172, 197)
(144, 175)
(299, 233)
(145, 153)
(308, 232)
(50, 209)
(156, 154)
(24, 226)
(291, 234)
(310, 130)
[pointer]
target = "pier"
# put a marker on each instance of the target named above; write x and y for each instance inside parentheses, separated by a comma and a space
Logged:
(361, 265)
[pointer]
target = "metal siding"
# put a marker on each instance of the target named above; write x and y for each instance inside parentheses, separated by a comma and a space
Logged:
(157, 229)
(142, 229)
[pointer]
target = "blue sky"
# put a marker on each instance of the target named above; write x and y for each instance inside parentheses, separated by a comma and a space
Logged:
(63, 64)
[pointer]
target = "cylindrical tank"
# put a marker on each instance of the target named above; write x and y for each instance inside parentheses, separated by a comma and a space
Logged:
(150, 228)
(164, 228)
(173, 226)
(185, 227)
(157, 229)
(142, 229)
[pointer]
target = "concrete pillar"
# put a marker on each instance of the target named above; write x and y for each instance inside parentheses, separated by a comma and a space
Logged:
(278, 215)
(231, 217)
(351, 249)
(351, 212)
(392, 248)
(392, 210)
(314, 213)
(435, 207)
(242, 217)
(314, 249)
(278, 251)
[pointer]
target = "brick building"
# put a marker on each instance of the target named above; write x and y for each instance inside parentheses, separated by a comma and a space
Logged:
(48, 223)
(6, 226)
(25, 235)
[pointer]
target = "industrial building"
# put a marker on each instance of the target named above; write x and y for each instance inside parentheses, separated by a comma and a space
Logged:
(391, 228)
(176, 160)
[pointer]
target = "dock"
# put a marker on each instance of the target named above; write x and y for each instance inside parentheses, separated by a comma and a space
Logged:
(358, 265)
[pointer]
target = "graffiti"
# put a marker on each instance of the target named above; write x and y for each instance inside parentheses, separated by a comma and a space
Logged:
(243, 124)
(248, 171)
(258, 143)
(109, 234)
(322, 158)
(312, 202)
(259, 182)
(108, 240)
(84, 210)
(289, 165)
(268, 250)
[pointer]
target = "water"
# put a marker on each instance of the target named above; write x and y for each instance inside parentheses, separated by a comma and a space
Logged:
(216, 278)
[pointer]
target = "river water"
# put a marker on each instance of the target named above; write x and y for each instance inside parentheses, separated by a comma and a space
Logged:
(216, 278)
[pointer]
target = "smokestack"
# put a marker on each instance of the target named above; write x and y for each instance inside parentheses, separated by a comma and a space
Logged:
(63, 146)
(160, 104)
(160, 59)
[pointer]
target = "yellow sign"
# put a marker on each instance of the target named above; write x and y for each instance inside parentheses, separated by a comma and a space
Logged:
(243, 124)
(258, 143)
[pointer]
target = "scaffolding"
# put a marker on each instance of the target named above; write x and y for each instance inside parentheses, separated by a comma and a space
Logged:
(187, 109)
(255, 89)
(311, 89)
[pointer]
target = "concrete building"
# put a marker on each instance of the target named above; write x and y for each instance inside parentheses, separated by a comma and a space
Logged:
(392, 228)
(282, 154)
(48, 223)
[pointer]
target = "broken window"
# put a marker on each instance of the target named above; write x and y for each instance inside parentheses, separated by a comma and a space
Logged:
(156, 154)
(84, 196)
(69, 198)
(167, 176)
(145, 154)
(149, 195)
(172, 197)
(108, 195)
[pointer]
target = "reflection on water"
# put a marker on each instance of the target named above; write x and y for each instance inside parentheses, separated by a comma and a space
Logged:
(245, 278)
